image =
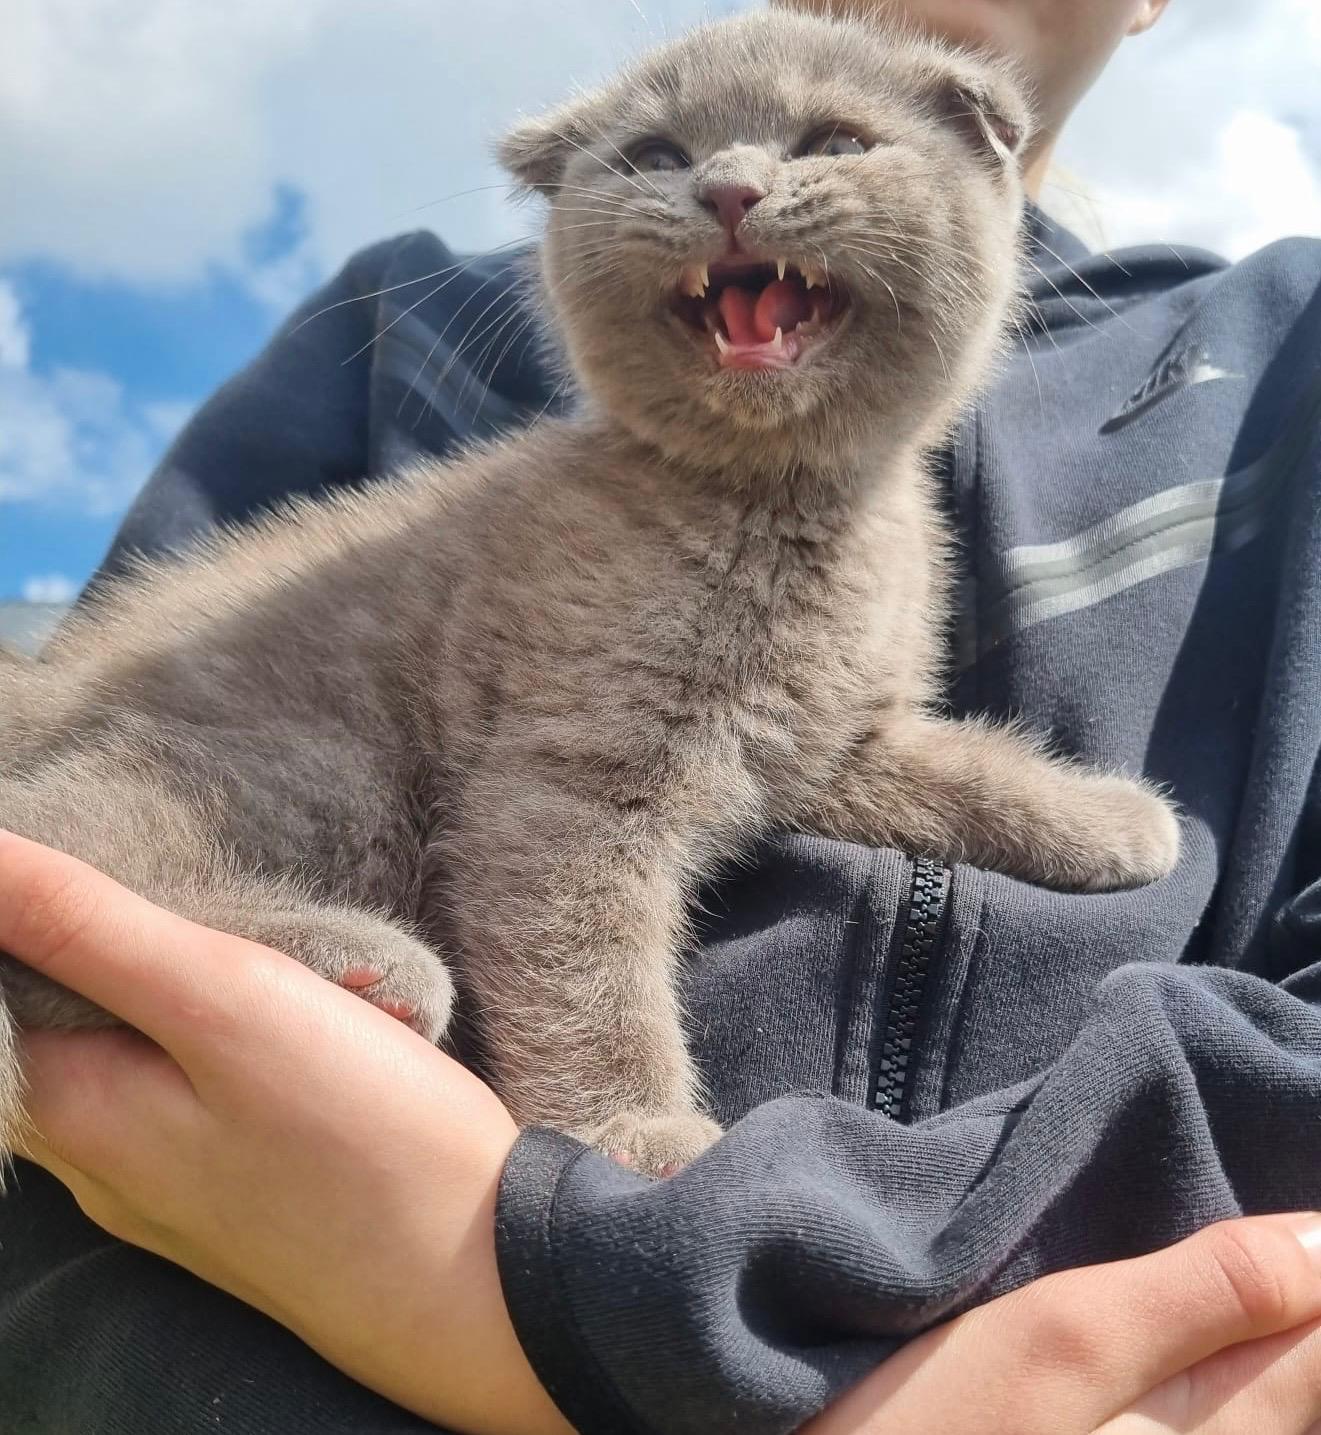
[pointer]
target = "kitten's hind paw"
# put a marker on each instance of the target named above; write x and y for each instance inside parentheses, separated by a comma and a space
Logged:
(655, 1145)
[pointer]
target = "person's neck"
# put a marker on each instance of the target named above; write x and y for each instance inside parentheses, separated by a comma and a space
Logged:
(1036, 164)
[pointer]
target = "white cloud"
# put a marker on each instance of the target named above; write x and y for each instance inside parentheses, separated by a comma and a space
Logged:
(1200, 130)
(49, 588)
(15, 337)
(71, 438)
(1256, 185)
(144, 138)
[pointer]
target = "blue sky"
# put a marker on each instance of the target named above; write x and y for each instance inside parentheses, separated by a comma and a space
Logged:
(177, 175)
(165, 348)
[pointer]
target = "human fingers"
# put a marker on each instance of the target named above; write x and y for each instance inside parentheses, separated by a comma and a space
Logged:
(1270, 1386)
(109, 1103)
(1090, 1342)
(175, 981)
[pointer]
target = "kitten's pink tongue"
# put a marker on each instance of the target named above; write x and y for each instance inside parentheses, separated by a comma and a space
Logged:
(753, 319)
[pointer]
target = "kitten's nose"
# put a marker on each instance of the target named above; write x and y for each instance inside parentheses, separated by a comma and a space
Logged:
(730, 202)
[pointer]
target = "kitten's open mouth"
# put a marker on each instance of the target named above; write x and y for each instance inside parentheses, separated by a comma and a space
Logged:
(759, 314)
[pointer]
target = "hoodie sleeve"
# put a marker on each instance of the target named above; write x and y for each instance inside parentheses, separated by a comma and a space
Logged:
(299, 418)
(816, 1236)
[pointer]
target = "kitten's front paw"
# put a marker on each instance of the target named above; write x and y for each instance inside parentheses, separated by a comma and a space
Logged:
(655, 1145)
(1135, 836)
(418, 993)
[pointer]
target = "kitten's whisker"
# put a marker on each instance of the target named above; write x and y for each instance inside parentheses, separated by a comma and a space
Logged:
(1060, 259)
(554, 394)
(508, 186)
(403, 314)
(421, 279)
(899, 318)
(932, 336)
(528, 321)
(509, 318)
(607, 214)
(440, 338)
(1026, 345)
(608, 168)
(620, 211)
(1034, 310)
(587, 224)
(952, 280)
(650, 185)
(917, 242)
(470, 336)
(601, 197)
(1090, 324)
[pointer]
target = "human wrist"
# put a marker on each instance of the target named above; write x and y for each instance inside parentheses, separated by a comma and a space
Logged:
(442, 1343)
(499, 1392)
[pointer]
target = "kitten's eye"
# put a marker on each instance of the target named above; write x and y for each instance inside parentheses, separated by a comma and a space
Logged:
(833, 141)
(656, 156)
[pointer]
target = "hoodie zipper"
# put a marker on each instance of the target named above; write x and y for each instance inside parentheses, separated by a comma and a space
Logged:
(923, 921)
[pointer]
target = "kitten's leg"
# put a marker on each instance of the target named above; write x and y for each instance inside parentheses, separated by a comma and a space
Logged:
(569, 913)
(373, 956)
(972, 792)
(160, 844)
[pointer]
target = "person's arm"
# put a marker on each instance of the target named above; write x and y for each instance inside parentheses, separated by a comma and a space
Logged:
(96, 1336)
(816, 1236)
(328, 1092)
(1218, 1334)
(300, 1149)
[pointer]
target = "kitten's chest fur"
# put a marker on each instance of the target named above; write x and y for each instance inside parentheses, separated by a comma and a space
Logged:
(662, 638)
(778, 648)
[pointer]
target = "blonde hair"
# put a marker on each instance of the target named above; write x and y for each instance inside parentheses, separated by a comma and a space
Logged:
(1071, 202)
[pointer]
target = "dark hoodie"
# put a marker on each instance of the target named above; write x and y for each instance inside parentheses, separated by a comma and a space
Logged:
(939, 1083)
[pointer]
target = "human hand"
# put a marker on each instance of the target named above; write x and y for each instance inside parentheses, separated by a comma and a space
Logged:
(1218, 1335)
(278, 1137)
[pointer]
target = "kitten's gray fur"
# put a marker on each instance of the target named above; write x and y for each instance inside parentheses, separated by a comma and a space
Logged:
(511, 709)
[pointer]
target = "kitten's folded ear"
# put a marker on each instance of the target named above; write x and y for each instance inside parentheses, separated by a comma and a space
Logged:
(536, 151)
(989, 112)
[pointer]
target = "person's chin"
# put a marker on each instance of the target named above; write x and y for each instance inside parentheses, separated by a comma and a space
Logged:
(1001, 26)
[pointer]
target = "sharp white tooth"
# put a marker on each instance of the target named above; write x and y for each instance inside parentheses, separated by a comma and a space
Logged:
(781, 265)
(722, 343)
(778, 341)
(694, 280)
(705, 274)
(813, 277)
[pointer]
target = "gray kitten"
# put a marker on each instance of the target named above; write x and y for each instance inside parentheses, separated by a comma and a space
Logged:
(482, 730)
